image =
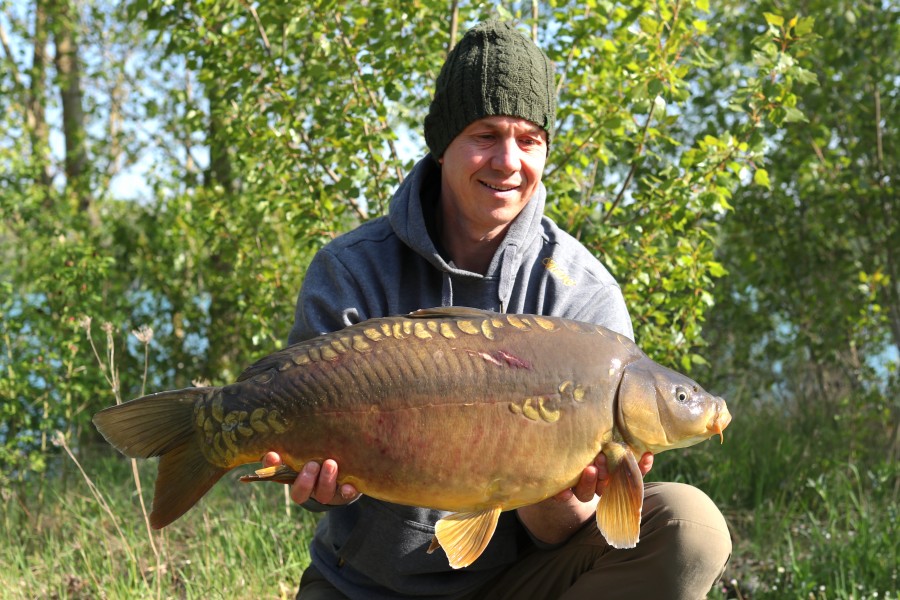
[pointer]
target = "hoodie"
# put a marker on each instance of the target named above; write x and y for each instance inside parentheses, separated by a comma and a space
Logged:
(392, 265)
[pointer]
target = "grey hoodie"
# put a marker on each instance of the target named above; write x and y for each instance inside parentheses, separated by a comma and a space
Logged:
(391, 265)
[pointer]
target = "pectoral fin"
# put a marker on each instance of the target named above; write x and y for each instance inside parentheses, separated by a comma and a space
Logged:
(619, 509)
(464, 536)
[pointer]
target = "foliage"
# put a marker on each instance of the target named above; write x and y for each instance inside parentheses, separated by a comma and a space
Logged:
(274, 127)
(639, 176)
(813, 255)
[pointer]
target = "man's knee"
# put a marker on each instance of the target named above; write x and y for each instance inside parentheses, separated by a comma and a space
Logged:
(683, 519)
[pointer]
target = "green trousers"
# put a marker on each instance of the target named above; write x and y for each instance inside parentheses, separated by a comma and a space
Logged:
(682, 552)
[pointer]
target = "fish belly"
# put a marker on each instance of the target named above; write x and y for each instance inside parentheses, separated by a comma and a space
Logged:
(457, 423)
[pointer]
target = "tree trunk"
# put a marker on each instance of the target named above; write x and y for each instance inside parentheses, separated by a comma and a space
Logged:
(37, 97)
(219, 172)
(68, 71)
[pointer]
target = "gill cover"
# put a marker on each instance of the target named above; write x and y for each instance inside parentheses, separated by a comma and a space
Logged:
(660, 409)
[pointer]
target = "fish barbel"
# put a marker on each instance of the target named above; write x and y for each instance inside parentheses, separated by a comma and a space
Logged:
(455, 409)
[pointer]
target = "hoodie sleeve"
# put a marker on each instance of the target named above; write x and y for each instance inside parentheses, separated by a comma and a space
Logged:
(329, 300)
(605, 305)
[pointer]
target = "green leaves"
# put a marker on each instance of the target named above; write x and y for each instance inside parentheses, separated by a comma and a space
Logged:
(271, 128)
(821, 215)
(658, 136)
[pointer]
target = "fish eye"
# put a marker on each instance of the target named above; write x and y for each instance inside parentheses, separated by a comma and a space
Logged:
(681, 394)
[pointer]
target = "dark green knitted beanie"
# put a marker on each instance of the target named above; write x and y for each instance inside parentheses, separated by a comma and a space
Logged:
(493, 70)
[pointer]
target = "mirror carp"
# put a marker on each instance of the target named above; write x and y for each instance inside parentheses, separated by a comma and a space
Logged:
(455, 409)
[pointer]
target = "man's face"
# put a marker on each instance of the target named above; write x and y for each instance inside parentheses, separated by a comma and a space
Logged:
(489, 172)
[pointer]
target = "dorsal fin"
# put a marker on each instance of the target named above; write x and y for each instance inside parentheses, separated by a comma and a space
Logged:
(450, 312)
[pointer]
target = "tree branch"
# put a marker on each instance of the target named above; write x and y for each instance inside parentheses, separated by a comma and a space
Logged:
(259, 27)
(634, 166)
(373, 100)
(4, 40)
(454, 24)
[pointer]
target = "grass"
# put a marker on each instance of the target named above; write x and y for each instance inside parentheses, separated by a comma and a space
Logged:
(241, 541)
(812, 501)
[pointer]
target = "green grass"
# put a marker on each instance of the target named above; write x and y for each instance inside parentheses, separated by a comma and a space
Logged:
(58, 542)
(812, 500)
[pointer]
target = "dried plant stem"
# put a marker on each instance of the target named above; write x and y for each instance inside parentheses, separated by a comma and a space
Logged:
(111, 373)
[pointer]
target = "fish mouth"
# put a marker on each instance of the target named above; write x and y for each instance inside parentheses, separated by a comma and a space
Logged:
(720, 421)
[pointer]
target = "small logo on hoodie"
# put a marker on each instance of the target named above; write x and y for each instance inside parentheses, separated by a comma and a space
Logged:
(557, 271)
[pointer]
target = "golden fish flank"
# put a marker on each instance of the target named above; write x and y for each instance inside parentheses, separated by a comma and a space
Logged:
(256, 420)
(571, 390)
(545, 324)
(529, 410)
(217, 411)
(468, 327)
(373, 334)
(617, 392)
(421, 331)
(223, 437)
(548, 407)
(541, 408)
(360, 344)
(519, 323)
(486, 330)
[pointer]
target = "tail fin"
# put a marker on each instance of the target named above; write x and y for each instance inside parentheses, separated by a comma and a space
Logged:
(162, 425)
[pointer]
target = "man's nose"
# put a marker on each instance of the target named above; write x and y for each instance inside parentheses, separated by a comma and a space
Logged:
(507, 156)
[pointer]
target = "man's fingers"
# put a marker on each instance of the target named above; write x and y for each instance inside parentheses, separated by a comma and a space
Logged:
(326, 487)
(586, 487)
(646, 463)
(306, 482)
(602, 470)
(348, 492)
(271, 459)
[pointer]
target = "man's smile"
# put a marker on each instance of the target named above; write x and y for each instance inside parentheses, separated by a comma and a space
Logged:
(499, 188)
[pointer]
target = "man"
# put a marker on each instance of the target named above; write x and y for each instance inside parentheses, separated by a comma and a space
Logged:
(467, 228)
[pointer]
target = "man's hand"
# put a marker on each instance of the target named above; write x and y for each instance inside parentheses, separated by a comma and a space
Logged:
(316, 481)
(555, 519)
(595, 478)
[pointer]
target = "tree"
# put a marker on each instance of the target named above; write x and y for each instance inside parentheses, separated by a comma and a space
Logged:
(297, 114)
(812, 253)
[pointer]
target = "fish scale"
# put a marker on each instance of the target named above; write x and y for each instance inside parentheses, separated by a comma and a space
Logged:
(455, 409)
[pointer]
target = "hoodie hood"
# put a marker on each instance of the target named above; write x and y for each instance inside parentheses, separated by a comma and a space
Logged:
(417, 199)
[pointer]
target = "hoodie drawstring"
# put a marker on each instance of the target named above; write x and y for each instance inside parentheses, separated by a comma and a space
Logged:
(447, 290)
(508, 268)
